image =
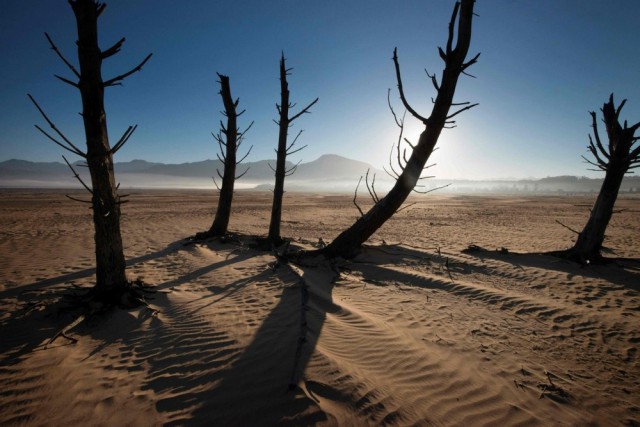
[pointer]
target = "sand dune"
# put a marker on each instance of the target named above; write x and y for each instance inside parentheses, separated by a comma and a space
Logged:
(413, 331)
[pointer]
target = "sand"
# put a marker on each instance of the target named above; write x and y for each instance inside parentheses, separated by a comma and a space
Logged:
(411, 332)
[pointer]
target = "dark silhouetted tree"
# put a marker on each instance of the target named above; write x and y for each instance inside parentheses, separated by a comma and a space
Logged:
(229, 139)
(111, 281)
(350, 240)
(284, 149)
(616, 159)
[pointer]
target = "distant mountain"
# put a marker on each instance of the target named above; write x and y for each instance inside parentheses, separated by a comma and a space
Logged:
(327, 173)
(259, 170)
(323, 173)
(134, 166)
(25, 168)
(332, 167)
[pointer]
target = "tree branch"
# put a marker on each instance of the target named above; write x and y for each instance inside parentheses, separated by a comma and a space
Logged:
(100, 7)
(401, 90)
(243, 173)
(57, 51)
(567, 227)
(405, 207)
(304, 111)
(432, 190)
(292, 169)
(123, 139)
(434, 80)
(468, 107)
(452, 24)
(288, 149)
(118, 79)
(71, 147)
(245, 156)
(67, 81)
(634, 155)
(470, 63)
(75, 174)
(241, 134)
(594, 152)
(79, 200)
(113, 49)
(355, 196)
(215, 182)
(371, 188)
(597, 136)
(399, 123)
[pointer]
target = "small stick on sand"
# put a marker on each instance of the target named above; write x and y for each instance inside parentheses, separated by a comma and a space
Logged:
(63, 332)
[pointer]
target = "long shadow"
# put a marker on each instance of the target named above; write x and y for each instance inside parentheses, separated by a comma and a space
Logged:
(87, 272)
(35, 301)
(191, 363)
(259, 386)
(181, 353)
(620, 271)
(19, 337)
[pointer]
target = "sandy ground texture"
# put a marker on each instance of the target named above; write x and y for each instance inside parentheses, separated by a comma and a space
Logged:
(413, 331)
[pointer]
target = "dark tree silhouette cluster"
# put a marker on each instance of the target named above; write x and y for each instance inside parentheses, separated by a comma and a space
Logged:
(407, 161)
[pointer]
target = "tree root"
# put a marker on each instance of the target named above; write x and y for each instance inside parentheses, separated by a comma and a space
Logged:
(90, 305)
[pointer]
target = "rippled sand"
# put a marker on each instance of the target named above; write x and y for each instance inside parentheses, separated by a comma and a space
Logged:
(411, 332)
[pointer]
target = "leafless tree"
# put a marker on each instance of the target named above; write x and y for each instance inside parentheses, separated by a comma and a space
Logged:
(616, 159)
(229, 139)
(111, 281)
(348, 242)
(284, 149)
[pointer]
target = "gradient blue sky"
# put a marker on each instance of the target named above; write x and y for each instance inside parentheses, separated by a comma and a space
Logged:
(544, 65)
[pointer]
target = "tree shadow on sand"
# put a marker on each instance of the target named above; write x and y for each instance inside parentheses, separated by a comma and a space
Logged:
(253, 386)
(45, 303)
(87, 272)
(198, 372)
(619, 271)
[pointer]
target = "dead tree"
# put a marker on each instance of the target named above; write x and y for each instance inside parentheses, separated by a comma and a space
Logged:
(111, 281)
(229, 139)
(284, 150)
(348, 242)
(616, 159)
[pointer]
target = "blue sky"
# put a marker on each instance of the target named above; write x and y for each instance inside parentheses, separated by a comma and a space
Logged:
(544, 65)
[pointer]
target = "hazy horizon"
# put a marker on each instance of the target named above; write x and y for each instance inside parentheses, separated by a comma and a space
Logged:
(380, 170)
(329, 173)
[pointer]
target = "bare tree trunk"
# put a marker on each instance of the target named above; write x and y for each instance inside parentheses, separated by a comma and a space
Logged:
(111, 280)
(589, 243)
(229, 139)
(223, 213)
(350, 240)
(615, 160)
(281, 159)
(282, 152)
(110, 261)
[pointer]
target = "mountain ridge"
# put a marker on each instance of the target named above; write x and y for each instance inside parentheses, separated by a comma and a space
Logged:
(327, 172)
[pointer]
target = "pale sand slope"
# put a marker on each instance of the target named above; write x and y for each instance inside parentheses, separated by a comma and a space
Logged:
(411, 332)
